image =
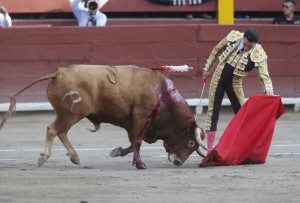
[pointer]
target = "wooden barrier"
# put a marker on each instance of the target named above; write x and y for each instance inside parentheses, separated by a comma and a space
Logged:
(136, 22)
(61, 6)
(28, 53)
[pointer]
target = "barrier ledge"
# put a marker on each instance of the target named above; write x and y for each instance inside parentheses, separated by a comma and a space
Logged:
(194, 102)
(198, 107)
(34, 106)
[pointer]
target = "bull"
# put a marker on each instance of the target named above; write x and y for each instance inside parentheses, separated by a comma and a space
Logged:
(142, 101)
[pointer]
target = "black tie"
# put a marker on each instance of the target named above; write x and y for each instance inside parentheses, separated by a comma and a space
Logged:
(240, 51)
(92, 20)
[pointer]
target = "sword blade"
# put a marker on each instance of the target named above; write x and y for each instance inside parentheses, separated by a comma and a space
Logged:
(201, 94)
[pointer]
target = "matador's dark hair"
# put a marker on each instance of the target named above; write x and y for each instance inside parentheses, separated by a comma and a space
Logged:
(251, 35)
(291, 1)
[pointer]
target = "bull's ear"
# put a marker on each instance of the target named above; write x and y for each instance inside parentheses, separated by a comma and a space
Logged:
(202, 134)
(191, 144)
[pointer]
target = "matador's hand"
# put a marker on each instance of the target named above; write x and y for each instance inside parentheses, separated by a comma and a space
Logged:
(269, 92)
(205, 74)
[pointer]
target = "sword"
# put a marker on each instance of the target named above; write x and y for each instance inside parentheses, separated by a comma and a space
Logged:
(200, 99)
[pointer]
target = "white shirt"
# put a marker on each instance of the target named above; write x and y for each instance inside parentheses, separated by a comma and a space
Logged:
(5, 20)
(241, 45)
(85, 19)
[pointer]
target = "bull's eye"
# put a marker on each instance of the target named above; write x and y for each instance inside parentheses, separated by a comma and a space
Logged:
(191, 144)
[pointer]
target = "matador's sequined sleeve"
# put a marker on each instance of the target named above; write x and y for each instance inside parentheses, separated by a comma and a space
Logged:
(259, 57)
(264, 77)
(214, 55)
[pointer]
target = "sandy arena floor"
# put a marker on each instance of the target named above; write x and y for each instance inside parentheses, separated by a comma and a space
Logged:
(101, 178)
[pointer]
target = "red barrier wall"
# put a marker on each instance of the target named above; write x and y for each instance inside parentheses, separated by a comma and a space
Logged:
(55, 6)
(27, 53)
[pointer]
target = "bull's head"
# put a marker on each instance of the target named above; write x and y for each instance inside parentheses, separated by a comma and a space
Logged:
(179, 149)
(177, 126)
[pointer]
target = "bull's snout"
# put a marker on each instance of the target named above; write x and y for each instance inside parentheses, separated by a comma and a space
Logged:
(177, 162)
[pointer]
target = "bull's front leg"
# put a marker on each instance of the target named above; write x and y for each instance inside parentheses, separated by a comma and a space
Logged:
(121, 152)
(137, 161)
(136, 136)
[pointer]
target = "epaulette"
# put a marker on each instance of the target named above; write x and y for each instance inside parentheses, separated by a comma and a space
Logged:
(258, 54)
(234, 35)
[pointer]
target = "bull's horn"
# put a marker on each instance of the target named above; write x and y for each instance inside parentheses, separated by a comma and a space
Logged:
(197, 135)
(200, 153)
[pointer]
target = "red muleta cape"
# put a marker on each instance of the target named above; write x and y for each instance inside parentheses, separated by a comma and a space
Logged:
(248, 136)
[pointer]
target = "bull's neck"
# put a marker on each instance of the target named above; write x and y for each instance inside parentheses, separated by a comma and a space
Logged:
(165, 99)
(154, 121)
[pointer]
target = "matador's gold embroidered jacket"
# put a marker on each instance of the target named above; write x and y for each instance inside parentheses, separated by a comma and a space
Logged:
(226, 52)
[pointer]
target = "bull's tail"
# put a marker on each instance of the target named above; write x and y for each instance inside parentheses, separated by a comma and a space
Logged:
(12, 106)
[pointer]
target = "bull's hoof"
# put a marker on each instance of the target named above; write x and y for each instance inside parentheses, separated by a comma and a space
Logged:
(75, 160)
(116, 152)
(41, 161)
(140, 165)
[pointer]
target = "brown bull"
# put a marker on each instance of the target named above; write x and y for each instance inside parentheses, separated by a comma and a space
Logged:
(142, 101)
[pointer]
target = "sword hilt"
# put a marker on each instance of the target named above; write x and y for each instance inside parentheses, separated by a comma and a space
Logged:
(206, 79)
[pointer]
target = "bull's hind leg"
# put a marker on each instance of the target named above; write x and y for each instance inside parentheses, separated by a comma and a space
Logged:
(59, 127)
(51, 133)
(71, 151)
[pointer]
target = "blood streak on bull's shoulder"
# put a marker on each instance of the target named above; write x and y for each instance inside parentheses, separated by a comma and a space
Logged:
(165, 98)
(170, 96)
